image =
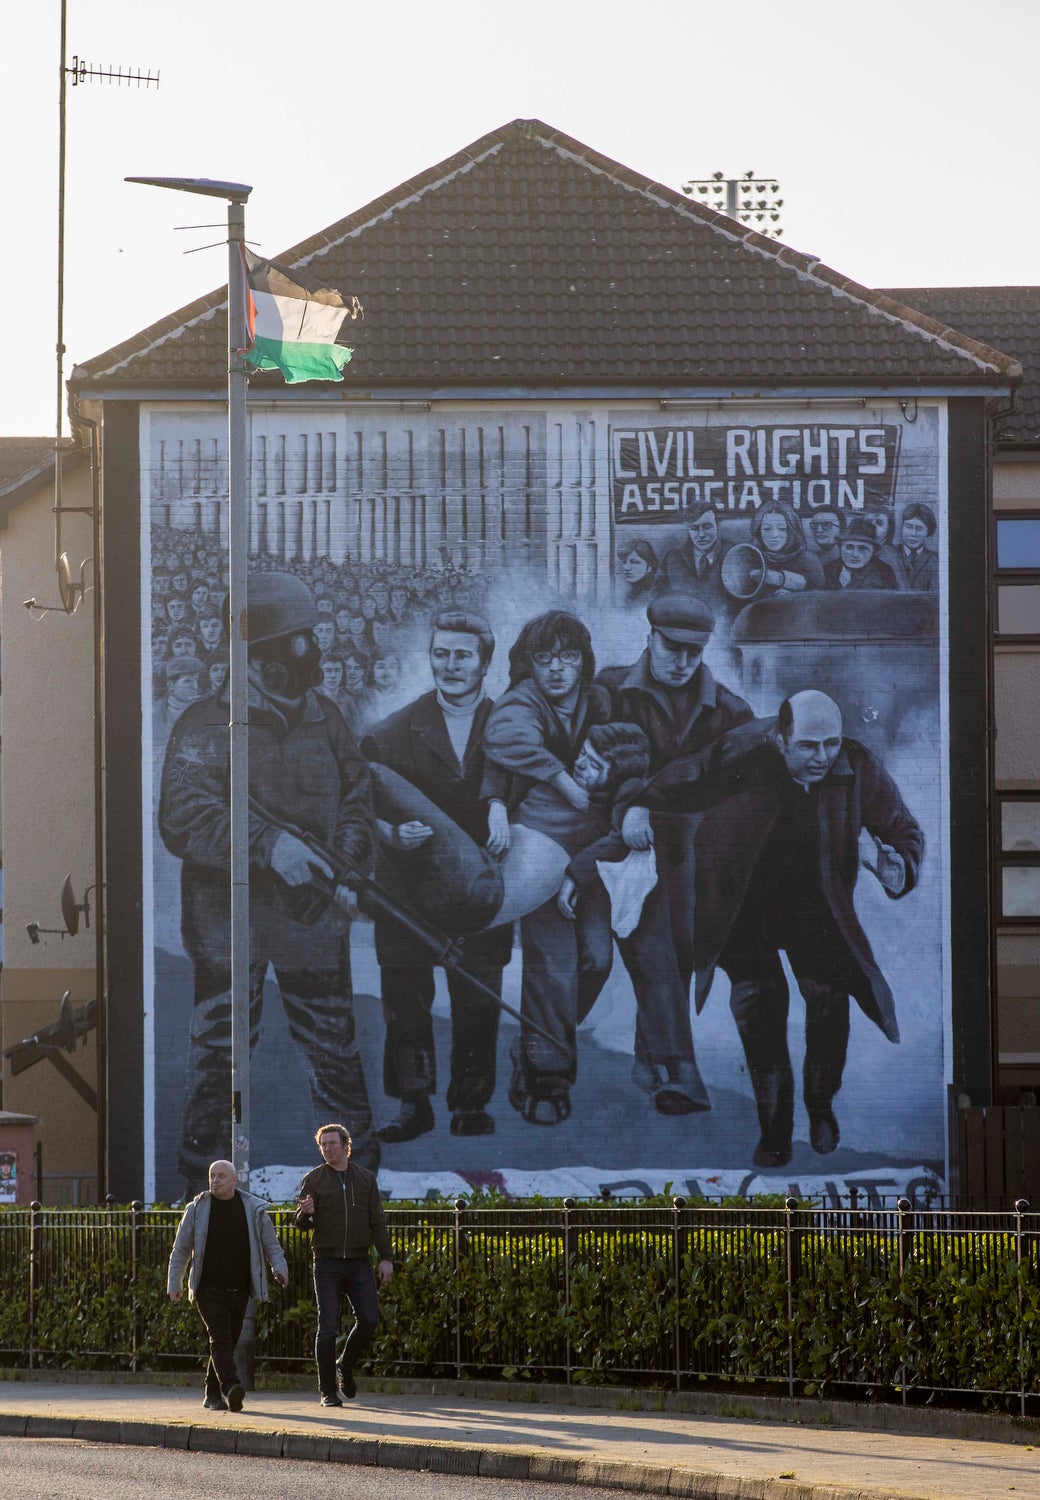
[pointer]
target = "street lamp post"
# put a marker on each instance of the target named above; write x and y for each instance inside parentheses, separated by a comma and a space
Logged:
(236, 194)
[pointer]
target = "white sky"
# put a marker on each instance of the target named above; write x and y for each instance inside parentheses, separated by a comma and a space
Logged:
(902, 132)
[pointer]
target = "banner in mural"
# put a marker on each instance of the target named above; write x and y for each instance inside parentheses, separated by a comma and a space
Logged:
(597, 824)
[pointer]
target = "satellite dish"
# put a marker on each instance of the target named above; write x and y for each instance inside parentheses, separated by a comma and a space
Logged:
(65, 1036)
(69, 591)
(71, 908)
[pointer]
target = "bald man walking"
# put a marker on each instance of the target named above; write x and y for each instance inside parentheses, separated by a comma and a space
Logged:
(776, 864)
(225, 1242)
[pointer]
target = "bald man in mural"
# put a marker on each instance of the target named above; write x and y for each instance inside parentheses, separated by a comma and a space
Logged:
(776, 863)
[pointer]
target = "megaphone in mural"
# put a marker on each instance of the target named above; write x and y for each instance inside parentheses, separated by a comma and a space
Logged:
(743, 571)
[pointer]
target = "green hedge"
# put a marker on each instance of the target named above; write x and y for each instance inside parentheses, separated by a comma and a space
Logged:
(587, 1302)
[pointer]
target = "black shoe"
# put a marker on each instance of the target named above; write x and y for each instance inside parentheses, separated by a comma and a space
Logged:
(235, 1397)
(472, 1122)
(824, 1134)
(684, 1092)
(771, 1156)
(215, 1403)
(327, 1400)
(413, 1120)
(347, 1384)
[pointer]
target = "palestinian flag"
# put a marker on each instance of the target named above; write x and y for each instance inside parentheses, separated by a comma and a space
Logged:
(295, 324)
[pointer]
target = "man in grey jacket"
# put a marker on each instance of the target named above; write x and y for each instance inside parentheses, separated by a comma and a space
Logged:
(225, 1242)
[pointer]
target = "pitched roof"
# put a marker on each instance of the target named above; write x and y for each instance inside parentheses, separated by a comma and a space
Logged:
(20, 455)
(26, 465)
(1009, 318)
(528, 259)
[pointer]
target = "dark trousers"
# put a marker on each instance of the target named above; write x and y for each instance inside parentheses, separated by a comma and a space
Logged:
(566, 965)
(312, 967)
(760, 1001)
(409, 1058)
(659, 956)
(223, 1311)
(336, 1277)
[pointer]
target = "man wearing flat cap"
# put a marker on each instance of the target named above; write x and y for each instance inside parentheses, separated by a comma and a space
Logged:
(674, 698)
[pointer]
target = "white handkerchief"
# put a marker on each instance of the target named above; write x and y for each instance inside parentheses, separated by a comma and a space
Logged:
(628, 882)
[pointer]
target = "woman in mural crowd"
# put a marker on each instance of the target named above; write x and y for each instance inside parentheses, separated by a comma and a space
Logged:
(637, 565)
(564, 754)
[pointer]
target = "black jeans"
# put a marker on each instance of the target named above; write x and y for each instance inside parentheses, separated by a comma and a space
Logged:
(759, 1001)
(409, 1059)
(223, 1310)
(334, 1277)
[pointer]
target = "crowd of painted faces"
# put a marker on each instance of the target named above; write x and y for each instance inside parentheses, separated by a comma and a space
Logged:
(374, 616)
(825, 548)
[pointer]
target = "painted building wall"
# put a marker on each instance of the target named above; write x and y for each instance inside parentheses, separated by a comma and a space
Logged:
(48, 825)
(511, 512)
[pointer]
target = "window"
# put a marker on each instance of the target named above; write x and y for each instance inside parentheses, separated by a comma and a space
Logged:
(1018, 576)
(1018, 861)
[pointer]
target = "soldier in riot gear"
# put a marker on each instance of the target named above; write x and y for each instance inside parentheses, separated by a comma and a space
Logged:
(304, 767)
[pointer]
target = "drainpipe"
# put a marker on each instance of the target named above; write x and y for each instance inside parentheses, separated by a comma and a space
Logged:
(100, 908)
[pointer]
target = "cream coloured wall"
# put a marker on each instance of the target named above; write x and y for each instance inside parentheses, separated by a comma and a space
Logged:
(47, 709)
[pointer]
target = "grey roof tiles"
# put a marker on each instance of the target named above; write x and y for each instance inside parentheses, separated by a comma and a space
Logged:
(528, 259)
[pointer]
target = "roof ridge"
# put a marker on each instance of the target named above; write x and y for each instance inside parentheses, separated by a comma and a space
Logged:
(804, 266)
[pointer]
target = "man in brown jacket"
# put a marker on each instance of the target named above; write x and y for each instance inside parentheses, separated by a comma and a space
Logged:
(340, 1202)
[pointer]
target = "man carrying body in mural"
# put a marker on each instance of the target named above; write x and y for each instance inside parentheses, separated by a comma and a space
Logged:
(436, 744)
(533, 737)
(676, 701)
(304, 768)
(776, 862)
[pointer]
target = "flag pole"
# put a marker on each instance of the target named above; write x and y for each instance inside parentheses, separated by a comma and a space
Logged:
(236, 194)
(238, 678)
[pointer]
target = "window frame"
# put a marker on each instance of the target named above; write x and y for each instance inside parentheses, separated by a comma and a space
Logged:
(1011, 577)
(1011, 859)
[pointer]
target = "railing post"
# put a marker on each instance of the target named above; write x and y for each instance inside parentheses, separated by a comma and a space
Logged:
(1021, 1208)
(906, 1245)
(136, 1209)
(678, 1250)
(460, 1204)
(35, 1209)
(793, 1269)
(569, 1249)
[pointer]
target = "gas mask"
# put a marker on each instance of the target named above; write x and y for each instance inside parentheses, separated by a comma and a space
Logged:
(288, 665)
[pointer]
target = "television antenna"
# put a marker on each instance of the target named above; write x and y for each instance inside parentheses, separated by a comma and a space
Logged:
(78, 72)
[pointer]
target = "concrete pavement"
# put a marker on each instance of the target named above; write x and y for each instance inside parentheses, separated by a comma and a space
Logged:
(714, 1448)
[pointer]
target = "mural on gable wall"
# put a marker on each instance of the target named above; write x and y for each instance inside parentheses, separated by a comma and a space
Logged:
(634, 719)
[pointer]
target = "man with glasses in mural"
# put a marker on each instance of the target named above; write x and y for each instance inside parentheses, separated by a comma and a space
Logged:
(305, 769)
(776, 859)
(674, 698)
(533, 740)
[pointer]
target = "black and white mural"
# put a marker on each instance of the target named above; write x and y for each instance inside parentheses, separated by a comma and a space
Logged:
(597, 796)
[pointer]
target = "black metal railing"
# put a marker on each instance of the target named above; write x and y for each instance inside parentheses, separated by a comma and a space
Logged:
(901, 1304)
